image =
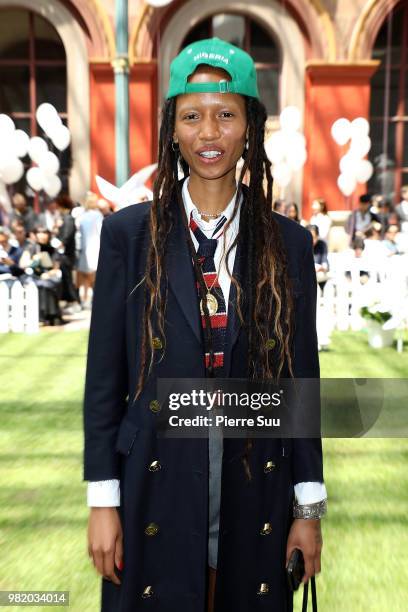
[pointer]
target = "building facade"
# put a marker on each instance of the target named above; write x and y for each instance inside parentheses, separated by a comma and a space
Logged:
(330, 58)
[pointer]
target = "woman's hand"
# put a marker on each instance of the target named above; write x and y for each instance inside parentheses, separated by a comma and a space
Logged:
(306, 535)
(105, 541)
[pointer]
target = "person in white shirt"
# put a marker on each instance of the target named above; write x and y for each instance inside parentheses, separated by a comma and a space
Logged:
(321, 218)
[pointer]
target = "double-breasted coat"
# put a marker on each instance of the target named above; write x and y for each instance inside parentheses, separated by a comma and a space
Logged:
(164, 482)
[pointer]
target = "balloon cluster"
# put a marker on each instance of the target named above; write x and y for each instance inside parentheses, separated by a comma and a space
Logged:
(286, 148)
(353, 167)
(16, 144)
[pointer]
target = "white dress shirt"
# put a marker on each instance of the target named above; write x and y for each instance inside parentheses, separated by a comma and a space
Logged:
(106, 493)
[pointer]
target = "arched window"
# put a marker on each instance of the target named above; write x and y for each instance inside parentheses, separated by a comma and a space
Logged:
(253, 38)
(389, 105)
(32, 71)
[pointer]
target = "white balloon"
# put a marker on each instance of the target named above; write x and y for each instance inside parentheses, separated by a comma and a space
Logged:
(360, 127)
(348, 164)
(45, 114)
(36, 147)
(290, 119)
(4, 159)
(20, 144)
(282, 174)
(35, 178)
(52, 185)
(158, 3)
(346, 184)
(12, 171)
(52, 126)
(275, 147)
(49, 163)
(296, 158)
(341, 131)
(364, 170)
(360, 146)
(61, 138)
(6, 125)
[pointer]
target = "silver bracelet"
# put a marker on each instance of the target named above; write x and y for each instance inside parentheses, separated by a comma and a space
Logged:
(310, 511)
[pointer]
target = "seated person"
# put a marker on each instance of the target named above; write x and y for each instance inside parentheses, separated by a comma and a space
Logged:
(9, 254)
(320, 256)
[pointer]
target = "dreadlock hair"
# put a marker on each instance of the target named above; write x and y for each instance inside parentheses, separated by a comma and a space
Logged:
(266, 291)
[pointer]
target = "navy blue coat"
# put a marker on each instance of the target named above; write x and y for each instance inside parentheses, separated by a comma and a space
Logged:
(120, 439)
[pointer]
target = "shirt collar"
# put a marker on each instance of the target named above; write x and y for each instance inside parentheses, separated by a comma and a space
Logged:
(207, 225)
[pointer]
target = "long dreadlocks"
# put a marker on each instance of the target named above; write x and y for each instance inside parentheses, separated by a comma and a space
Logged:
(266, 291)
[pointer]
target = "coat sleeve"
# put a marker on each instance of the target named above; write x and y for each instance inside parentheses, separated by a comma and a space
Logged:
(106, 384)
(307, 461)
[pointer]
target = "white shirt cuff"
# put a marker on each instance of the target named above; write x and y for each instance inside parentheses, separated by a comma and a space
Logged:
(103, 493)
(310, 492)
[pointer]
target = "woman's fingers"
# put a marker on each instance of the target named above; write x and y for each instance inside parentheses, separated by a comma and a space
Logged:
(309, 567)
(108, 565)
(312, 565)
(119, 553)
(105, 541)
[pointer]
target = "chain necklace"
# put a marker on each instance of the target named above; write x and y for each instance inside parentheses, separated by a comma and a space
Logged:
(207, 214)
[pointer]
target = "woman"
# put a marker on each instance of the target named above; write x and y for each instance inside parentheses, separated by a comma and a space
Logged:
(45, 264)
(193, 525)
(66, 233)
(320, 256)
(291, 211)
(321, 218)
(89, 226)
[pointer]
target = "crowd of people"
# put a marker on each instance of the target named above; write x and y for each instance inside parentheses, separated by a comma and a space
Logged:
(376, 230)
(57, 249)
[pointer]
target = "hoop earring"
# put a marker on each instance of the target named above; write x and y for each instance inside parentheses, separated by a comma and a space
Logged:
(247, 145)
(175, 148)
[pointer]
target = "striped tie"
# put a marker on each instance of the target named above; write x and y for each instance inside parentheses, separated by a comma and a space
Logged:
(217, 309)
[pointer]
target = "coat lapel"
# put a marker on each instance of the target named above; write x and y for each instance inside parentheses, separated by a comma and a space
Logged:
(233, 321)
(181, 275)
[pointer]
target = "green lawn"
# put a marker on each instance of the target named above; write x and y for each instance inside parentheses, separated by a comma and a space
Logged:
(43, 513)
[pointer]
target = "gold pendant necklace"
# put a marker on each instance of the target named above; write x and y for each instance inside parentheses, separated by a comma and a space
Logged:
(211, 300)
(212, 304)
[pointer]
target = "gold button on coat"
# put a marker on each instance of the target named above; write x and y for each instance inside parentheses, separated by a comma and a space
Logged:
(157, 343)
(266, 529)
(269, 466)
(270, 343)
(155, 466)
(152, 529)
(154, 406)
(147, 592)
(263, 589)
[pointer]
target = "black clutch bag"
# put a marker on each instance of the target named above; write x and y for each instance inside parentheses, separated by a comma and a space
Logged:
(295, 571)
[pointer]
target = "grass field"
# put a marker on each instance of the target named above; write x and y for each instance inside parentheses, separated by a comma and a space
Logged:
(43, 513)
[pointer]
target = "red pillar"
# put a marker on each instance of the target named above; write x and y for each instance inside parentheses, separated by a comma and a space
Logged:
(332, 91)
(143, 115)
(102, 130)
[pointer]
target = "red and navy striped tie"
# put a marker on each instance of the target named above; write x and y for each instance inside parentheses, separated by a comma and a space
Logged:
(205, 253)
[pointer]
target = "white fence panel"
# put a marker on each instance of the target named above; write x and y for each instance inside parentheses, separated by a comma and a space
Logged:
(19, 309)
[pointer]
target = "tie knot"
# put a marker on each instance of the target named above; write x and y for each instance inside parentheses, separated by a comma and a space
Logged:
(206, 247)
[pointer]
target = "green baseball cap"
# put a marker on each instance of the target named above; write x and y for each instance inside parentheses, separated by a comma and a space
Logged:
(221, 54)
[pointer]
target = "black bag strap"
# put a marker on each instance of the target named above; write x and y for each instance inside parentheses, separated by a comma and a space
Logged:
(305, 595)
